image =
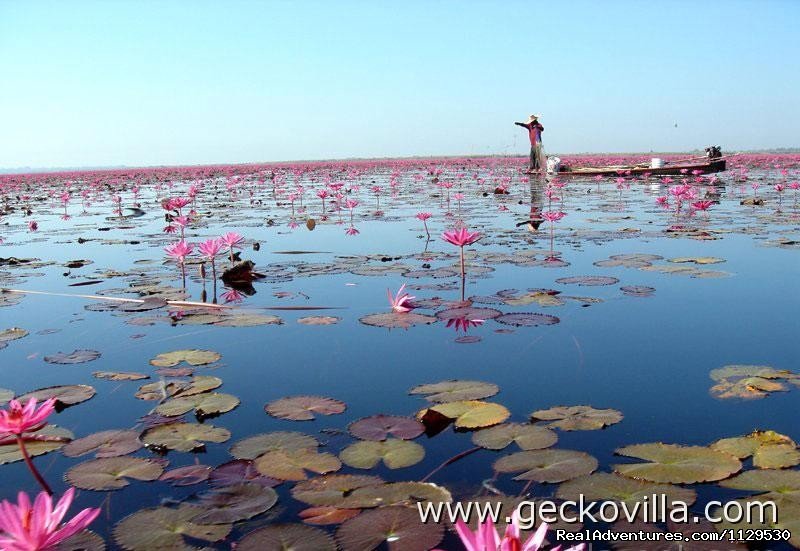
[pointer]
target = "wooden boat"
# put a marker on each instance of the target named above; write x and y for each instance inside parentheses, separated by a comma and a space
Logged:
(707, 167)
(711, 163)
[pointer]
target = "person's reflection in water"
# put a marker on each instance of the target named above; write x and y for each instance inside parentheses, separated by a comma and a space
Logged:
(535, 216)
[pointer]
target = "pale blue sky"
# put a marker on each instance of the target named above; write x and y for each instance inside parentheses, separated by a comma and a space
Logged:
(142, 83)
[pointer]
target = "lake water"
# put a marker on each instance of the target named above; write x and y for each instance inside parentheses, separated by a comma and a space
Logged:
(647, 353)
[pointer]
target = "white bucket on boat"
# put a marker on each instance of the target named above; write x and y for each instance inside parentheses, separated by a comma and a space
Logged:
(655, 162)
(553, 164)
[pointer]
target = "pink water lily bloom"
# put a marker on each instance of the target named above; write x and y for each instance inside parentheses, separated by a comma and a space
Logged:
(179, 251)
(32, 528)
(485, 538)
(423, 215)
(33, 225)
(210, 248)
(553, 215)
(461, 237)
(231, 239)
(401, 302)
(702, 205)
(18, 419)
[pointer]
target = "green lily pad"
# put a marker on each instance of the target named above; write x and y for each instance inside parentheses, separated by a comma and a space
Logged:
(331, 490)
(119, 375)
(107, 443)
(183, 437)
(770, 450)
(670, 463)
(51, 438)
(325, 516)
(304, 408)
(750, 381)
(551, 465)
(778, 484)
(469, 414)
(397, 528)
(527, 437)
(74, 357)
(456, 391)
(186, 476)
(204, 405)
(111, 473)
(696, 260)
(578, 417)
(12, 334)
(606, 486)
(234, 503)
(164, 528)
(248, 320)
(395, 320)
(82, 541)
(396, 493)
(65, 395)
(192, 357)
(380, 427)
(285, 537)
(252, 447)
(293, 464)
(394, 453)
(196, 385)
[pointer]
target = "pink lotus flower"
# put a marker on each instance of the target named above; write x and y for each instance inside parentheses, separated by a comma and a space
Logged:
(461, 237)
(702, 205)
(352, 231)
(322, 194)
(38, 527)
(779, 188)
(177, 203)
(553, 215)
(210, 248)
(485, 538)
(423, 216)
(231, 239)
(351, 203)
(182, 221)
(33, 225)
(18, 419)
(179, 251)
(401, 302)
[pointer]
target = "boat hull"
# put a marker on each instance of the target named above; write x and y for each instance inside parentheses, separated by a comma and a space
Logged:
(710, 167)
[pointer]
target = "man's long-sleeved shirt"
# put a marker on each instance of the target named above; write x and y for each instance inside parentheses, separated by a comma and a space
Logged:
(535, 130)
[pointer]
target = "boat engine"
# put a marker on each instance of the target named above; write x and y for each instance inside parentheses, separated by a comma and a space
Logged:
(714, 152)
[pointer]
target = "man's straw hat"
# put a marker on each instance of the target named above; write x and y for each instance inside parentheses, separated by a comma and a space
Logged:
(531, 118)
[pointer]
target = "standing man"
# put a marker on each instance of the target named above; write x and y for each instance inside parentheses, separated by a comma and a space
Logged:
(535, 129)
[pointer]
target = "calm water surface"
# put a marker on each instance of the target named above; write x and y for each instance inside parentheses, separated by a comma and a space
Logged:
(647, 356)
